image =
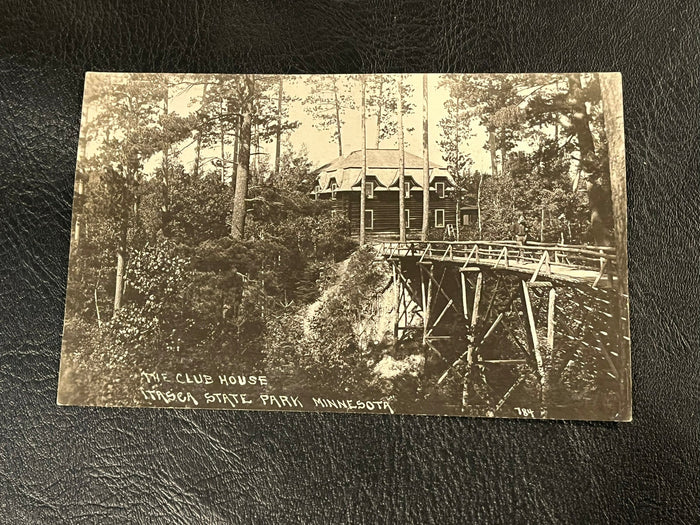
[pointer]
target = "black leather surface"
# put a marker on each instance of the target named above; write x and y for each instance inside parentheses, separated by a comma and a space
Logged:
(88, 465)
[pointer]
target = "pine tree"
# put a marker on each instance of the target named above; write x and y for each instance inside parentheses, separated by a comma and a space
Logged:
(426, 164)
(330, 98)
(402, 161)
(363, 197)
(246, 92)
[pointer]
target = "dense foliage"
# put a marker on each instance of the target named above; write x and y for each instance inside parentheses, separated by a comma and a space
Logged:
(546, 139)
(193, 297)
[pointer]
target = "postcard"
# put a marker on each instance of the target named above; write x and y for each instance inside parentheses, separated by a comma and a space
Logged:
(439, 244)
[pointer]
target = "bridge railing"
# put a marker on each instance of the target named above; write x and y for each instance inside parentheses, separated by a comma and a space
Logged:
(601, 259)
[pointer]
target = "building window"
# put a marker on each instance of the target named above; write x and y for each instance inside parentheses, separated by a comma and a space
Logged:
(407, 190)
(334, 189)
(369, 190)
(440, 189)
(407, 214)
(466, 219)
(439, 218)
(317, 190)
(369, 219)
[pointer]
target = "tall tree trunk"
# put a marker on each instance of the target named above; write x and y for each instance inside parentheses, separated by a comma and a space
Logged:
(457, 175)
(198, 154)
(236, 142)
(598, 196)
(222, 139)
(504, 153)
(492, 150)
(198, 149)
(257, 176)
(457, 137)
(458, 223)
(426, 164)
(243, 172)
(556, 121)
(119, 283)
(363, 197)
(611, 90)
(336, 101)
(278, 131)
(542, 224)
(121, 260)
(478, 204)
(165, 209)
(379, 112)
(402, 194)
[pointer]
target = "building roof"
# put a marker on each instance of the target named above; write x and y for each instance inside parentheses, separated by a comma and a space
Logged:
(377, 158)
(382, 166)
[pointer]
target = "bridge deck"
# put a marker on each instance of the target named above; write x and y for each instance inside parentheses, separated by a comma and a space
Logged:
(579, 264)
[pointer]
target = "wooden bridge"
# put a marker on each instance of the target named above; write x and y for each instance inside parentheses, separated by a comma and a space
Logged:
(502, 316)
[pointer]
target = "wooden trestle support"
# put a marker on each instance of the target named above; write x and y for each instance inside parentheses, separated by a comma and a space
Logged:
(486, 299)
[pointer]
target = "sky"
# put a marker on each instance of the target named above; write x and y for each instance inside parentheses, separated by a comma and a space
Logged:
(319, 144)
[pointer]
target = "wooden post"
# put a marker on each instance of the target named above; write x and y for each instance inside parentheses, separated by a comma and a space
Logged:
(398, 300)
(477, 299)
(468, 354)
(422, 288)
(428, 305)
(465, 308)
(424, 299)
(439, 318)
(550, 319)
(493, 298)
(543, 260)
(427, 299)
(472, 342)
(531, 328)
(404, 302)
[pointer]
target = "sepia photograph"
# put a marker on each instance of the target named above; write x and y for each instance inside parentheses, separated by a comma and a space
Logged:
(432, 244)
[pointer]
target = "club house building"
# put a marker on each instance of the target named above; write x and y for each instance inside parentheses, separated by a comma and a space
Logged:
(340, 181)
